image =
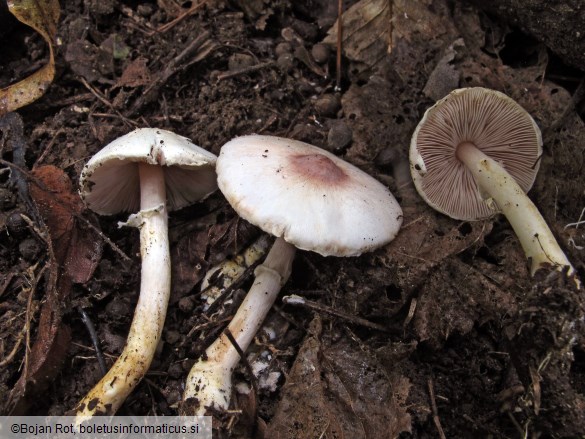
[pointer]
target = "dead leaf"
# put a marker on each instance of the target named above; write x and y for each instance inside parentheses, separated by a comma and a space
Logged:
(42, 16)
(135, 74)
(77, 246)
(445, 77)
(366, 31)
(334, 390)
(74, 250)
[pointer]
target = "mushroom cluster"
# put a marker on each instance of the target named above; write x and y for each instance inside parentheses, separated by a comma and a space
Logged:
(476, 153)
(148, 171)
(308, 199)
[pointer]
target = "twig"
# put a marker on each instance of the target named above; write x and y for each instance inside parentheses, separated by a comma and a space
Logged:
(48, 148)
(195, 51)
(339, 41)
(107, 103)
(244, 70)
(298, 300)
(238, 349)
(15, 348)
(94, 340)
(436, 419)
(27, 330)
(12, 127)
(190, 11)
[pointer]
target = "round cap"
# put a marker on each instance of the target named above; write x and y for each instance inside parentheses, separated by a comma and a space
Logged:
(309, 197)
(496, 125)
(110, 184)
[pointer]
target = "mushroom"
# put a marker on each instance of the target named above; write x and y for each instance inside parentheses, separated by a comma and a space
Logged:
(148, 170)
(309, 199)
(476, 153)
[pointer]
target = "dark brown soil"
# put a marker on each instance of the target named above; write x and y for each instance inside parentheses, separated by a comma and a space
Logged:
(465, 342)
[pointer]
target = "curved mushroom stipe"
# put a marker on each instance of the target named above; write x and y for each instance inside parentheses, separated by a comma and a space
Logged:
(476, 153)
(137, 171)
(307, 198)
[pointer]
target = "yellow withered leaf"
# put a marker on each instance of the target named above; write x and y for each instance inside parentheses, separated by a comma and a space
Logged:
(42, 16)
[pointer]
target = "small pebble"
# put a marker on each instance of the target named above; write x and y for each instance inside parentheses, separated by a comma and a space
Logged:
(283, 49)
(175, 371)
(339, 136)
(307, 31)
(7, 199)
(304, 132)
(240, 61)
(285, 62)
(328, 105)
(289, 34)
(15, 224)
(321, 53)
(145, 10)
(186, 304)
(29, 249)
(172, 337)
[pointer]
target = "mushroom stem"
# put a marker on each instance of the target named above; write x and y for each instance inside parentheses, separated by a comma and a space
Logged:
(537, 240)
(146, 328)
(209, 383)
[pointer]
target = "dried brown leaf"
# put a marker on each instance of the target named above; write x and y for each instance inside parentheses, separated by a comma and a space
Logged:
(366, 31)
(334, 390)
(74, 251)
(42, 16)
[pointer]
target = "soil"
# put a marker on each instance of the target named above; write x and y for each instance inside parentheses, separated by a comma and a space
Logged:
(441, 333)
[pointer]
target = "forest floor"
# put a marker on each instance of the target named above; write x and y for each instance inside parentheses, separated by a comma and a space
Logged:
(462, 341)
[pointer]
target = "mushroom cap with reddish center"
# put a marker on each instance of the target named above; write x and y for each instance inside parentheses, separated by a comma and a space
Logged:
(309, 197)
(109, 182)
(491, 121)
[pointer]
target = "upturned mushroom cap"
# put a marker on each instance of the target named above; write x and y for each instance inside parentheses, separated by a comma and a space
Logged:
(110, 184)
(307, 196)
(496, 125)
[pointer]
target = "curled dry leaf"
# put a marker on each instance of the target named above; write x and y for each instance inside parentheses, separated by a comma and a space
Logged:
(74, 251)
(42, 16)
(76, 245)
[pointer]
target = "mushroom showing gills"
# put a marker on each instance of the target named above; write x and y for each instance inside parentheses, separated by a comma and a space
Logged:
(309, 199)
(147, 170)
(475, 153)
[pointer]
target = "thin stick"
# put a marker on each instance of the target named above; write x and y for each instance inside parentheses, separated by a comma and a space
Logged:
(237, 347)
(191, 11)
(436, 419)
(244, 70)
(339, 39)
(298, 300)
(94, 340)
(107, 103)
(15, 348)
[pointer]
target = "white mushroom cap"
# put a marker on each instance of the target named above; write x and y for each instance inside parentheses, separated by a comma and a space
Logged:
(110, 184)
(496, 125)
(309, 197)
